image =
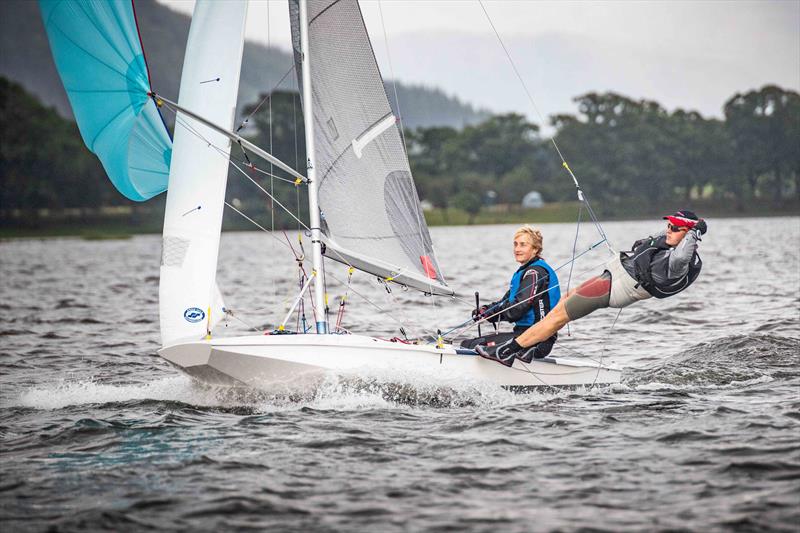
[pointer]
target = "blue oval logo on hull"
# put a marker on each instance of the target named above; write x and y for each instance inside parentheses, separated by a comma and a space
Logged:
(194, 314)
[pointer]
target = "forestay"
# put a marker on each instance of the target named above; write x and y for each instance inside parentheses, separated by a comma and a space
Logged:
(370, 210)
(98, 54)
(190, 303)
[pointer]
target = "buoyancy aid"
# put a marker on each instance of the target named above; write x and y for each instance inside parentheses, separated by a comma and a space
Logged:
(545, 296)
(645, 262)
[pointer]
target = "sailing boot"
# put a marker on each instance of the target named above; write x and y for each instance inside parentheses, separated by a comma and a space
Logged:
(537, 351)
(502, 353)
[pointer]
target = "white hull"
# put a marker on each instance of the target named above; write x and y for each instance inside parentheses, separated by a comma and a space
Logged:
(276, 363)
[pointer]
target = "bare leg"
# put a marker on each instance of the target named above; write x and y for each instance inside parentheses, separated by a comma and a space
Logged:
(544, 329)
(592, 294)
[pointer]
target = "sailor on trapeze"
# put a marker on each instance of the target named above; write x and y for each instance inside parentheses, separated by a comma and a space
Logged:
(659, 266)
(532, 293)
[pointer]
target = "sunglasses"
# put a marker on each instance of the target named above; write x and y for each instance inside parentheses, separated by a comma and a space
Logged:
(673, 228)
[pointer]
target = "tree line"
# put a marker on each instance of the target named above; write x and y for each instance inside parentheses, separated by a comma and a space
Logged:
(623, 151)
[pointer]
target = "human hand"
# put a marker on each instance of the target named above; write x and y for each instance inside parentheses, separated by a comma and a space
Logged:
(478, 314)
(701, 226)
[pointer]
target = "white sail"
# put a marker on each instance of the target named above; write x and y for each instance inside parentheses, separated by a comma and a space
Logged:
(189, 301)
(370, 211)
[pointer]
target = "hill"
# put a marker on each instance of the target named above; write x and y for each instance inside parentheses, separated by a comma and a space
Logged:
(25, 57)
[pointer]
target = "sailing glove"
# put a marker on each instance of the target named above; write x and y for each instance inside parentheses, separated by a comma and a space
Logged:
(701, 226)
(486, 312)
(479, 313)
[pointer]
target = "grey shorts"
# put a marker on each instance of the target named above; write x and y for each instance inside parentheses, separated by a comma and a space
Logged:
(593, 294)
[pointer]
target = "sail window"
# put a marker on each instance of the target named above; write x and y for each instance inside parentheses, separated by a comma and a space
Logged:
(173, 251)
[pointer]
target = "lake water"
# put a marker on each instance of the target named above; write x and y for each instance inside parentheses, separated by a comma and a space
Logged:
(97, 432)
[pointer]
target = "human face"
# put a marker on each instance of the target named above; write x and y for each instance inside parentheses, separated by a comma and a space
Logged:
(675, 237)
(523, 249)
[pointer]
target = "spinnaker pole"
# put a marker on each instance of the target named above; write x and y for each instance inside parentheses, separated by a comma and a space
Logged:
(234, 137)
(311, 173)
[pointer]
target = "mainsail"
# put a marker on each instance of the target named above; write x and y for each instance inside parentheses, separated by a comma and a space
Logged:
(98, 54)
(190, 303)
(370, 210)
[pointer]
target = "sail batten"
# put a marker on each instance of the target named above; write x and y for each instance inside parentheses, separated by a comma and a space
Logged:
(368, 202)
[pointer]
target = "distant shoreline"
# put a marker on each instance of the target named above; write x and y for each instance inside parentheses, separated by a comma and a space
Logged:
(132, 222)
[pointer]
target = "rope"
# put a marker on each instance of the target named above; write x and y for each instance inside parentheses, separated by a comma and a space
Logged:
(301, 258)
(470, 323)
(343, 303)
(605, 343)
(222, 154)
(404, 321)
(394, 79)
(300, 223)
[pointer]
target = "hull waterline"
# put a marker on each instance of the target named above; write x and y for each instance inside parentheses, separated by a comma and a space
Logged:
(277, 363)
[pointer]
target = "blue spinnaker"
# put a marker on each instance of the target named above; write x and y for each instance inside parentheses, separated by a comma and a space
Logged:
(98, 54)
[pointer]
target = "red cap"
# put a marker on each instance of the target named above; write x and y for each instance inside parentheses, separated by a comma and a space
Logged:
(682, 219)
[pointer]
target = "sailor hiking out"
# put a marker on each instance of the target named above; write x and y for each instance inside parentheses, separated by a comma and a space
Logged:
(658, 266)
(533, 292)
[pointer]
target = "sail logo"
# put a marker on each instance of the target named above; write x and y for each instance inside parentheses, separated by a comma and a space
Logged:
(194, 315)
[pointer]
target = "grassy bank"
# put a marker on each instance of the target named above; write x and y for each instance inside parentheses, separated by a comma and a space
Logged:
(100, 224)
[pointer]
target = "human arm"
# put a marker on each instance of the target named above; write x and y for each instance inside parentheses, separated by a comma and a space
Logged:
(681, 255)
(490, 311)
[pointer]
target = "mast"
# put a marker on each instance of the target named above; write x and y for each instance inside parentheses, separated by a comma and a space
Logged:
(311, 173)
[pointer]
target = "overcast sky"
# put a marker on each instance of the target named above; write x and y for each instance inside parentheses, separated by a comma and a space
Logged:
(690, 54)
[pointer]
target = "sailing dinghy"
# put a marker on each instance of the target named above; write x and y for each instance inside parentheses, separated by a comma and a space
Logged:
(364, 210)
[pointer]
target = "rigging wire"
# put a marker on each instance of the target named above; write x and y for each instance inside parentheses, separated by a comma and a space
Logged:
(268, 96)
(244, 162)
(572, 263)
(181, 122)
(470, 323)
(304, 259)
(581, 195)
(271, 166)
(404, 322)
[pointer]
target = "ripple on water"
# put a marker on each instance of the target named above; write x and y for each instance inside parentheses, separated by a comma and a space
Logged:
(97, 433)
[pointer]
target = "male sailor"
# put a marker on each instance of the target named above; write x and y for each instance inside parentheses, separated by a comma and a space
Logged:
(532, 293)
(659, 266)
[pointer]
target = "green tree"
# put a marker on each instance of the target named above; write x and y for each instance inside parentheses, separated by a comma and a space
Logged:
(763, 126)
(469, 198)
(43, 162)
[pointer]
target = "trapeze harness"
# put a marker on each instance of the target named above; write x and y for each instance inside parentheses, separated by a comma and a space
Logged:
(652, 272)
(632, 276)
